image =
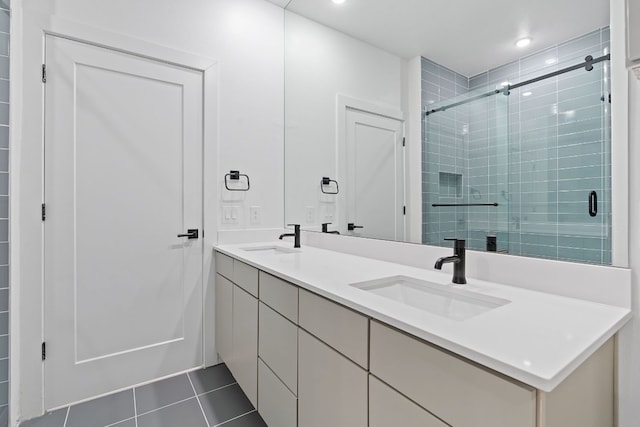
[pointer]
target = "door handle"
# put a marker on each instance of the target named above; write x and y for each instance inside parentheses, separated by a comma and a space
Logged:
(351, 226)
(192, 233)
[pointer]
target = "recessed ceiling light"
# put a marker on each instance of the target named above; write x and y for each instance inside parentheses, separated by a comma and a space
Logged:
(527, 94)
(338, 1)
(550, 61)
(524, 42)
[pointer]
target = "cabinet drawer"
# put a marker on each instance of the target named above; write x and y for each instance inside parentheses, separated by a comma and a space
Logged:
(341, 328)
(277, 406)
(224, 265)
(387, 408)
(332, 390)
(246, 277)
(278, 346)
(458, 392)
(280, 296)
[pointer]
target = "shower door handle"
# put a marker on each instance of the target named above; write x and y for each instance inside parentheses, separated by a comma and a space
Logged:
(593, 204)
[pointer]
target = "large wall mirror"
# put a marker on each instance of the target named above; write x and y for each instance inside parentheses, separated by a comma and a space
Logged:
(419, 121)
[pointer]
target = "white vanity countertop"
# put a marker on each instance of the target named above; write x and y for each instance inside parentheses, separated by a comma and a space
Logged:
(537, 338)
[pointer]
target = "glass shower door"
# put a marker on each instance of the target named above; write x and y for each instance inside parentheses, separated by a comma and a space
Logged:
(466, 172)
(561, 166)
(531, 167)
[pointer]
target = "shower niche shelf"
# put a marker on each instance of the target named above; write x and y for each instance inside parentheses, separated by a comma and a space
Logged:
(450, 184)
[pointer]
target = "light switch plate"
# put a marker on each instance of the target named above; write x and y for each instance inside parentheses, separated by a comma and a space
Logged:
(328, 212)
(310, 214)
(230, 215)
(255, 215)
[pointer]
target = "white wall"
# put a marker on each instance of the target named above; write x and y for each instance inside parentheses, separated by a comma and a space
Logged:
(320, 64)
(629, 378)
(244, 37)
(629, 338)
(414, 151)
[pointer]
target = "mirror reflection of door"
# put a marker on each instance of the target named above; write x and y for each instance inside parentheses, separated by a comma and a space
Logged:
(375, 175)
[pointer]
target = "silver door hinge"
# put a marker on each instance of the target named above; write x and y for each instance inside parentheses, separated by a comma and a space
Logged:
(44, 212)
(44, 351)
(44, 73)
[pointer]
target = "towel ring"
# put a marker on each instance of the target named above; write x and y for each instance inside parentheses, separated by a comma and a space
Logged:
(235, 176)
(326, 181)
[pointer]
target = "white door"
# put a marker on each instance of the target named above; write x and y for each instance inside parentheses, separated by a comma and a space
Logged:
(375, 175)
(123, 177)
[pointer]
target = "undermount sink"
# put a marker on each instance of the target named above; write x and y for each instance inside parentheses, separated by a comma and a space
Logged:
(436, 298)
(271, 250)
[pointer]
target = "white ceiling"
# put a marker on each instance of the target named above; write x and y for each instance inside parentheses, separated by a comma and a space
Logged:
(468, 36)
(281, 3)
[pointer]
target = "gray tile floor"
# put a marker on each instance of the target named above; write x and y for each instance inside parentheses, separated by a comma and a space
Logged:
(205, 398)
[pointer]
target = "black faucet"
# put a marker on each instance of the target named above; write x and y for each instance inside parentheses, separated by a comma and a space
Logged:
(458, 260)
(325, 229)
(295, 235)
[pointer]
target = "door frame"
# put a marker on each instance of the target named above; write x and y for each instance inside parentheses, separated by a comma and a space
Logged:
(28, 32)
(343, 104)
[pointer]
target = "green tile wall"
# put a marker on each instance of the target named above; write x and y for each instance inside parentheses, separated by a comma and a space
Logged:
(538, 153)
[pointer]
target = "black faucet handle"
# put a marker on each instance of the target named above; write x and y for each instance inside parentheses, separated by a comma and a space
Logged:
(296, 228)
(457, 243)
(453, 239)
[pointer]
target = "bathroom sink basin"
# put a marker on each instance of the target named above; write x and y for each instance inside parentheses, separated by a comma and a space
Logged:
(436, 298)
(271, 250)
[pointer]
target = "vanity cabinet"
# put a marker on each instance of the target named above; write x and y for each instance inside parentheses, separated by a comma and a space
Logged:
(332, 388)
(281, 296)
(224, 316)
(243, 362)
(278, 352)
(277, 405)
(237, 321)
(464, 394)
(304, 360)
(585, 398)
(387, 408)
(456, 391)
(278, 346)
(339, 327)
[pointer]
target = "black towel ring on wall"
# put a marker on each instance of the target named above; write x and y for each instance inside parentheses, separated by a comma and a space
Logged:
(326, 181)
(235, 176)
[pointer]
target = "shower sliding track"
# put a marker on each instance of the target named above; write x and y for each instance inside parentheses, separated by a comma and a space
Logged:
(588, 63)
(452, 205)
